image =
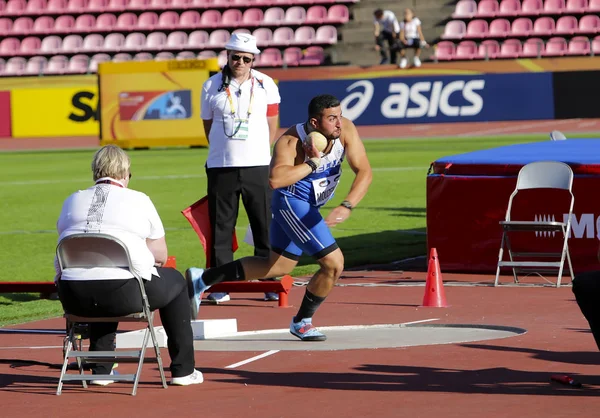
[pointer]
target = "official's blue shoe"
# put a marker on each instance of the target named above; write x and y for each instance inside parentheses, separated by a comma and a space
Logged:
(272, 296)
(306, 331)
(196, 287)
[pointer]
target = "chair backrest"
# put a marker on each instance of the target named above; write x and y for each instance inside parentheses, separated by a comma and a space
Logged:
(545, 175)
(92, 250)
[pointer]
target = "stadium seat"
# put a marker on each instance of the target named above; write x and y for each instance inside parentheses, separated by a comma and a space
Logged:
(589, 24)
(595, 47)
(134, 42)
(156, 40)
(566, 25)
(126, 22)
(186, 55)
(295, 15)
(207, 54)
(189, 19)
(579, 45)
(455, 29)
(114, 42)
(200, 4)
(242, 30)
(5, 26)
(509, 8)
(490, 48)
(594, 6)
(77, 6)
(106, 22)
(35, 65)
(143, 56)
(511, 48)
(30, 46)
(292, 56)
(51, 45)
(43, 24)
(84, 23)
(337, 14)
(96, 6)
(147, 21)
(97, 59)
(181, 4)
(271, 57)
(466, 50)
(326, 34)
(304, 35)
(499, 28)
(543, 26)
(220, 3)
(283, 36)
(532, 48)
(176, 40)
(72, 43)
(64, 24)
(576, 6)
(465, 9)
(198, 39)
(57, 64)
(444, 51)
(487, 8)
(210, 19)
(93, 43)
(9, 46)
(553, 7)
(160, 4)
(168, 21)
(521, 26)
(274, 16)
(35, 7)
(222, 58)
(15, 7)
(218, 38)
(244, 3)
(264, 37)
(115, 6)
(56, 6)
(231, 18)
(314, 55)
(22, 26)
(531, 7)
(316, 15)
(122, 57)
(15, 66)
(252, 17)
(476, 29)
(78, 64)
(556, 47)
(138, 5)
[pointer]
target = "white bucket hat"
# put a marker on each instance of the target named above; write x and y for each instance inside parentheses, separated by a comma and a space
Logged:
(242, 42)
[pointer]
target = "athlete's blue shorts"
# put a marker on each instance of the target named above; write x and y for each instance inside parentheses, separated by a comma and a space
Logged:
(297, 227)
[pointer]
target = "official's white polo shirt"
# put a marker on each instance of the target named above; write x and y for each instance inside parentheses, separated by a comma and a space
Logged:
(411, 30)
(228, 152)
(123, 213)
(388, 22)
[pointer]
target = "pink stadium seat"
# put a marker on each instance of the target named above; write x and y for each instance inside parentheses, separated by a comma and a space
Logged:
(295, 15)
(252, 17)
(156, 40)
(220, 3)
(200, 4)
(283, 36)
(292, 56)
(488, 49)
(30, 45)
(106, 22)
(15, 66)
(477, 28)
(143, 56)
(57, 6)
(93, 43)
(511, 48)
(207, 54)
(77, 6)
(164, 56)
(43, 24)
(594, 6)
(186, 55)
(487, 8)
(444, 51)
(22, 25)
(51, 45)
(96, 6)
(35, 7)
(553, 7)
(509, 8)
(176, 40)
(314, 55)
(521, 26)
(243, 30)
(115, 6)
(114, 42)
(271, 57)
(72, 43)
(97, 59)
(499, 28)
(134, 42)
(35, 65)
(284, 3)
(455, 29)
(579, 45)
(243, 3)
(64, 24)
(160, 4)
(275, 16)
(57, 64)
(566, 25)
(316, 15)
(168, 20)
(189, 19)
(9, 46)
(126, 22)
(531, 7)
(589, 24)
(78, 64)
(231, 18)
(198, 39)
(2, 8)
(84, 23)
(222, 58)
(596, 45)
(305, 35)
(210, 19)
(147, 21)
(466, 50)
(465, 9)
(338, 13)
(15, 7)
(122, 57)
(544, 26)
(326, 34)
(556, 47)
(264, 37)
(181, 4)
(138, 5)
(5, 25)
(576, 6)
(532, 48)
(218, 38)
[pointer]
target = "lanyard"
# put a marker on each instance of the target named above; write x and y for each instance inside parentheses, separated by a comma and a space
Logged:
(108, 180)
(251, 99)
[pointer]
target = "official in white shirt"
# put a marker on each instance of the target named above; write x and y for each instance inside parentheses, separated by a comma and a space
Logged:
(411, 36)
(240, 110)
(110, 207)
(387, 29)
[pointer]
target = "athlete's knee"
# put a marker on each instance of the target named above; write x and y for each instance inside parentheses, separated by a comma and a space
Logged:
(333, 264)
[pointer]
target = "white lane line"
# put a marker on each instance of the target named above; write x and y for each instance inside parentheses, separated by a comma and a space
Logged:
(420, 322)
(38, 347)
(251, 359)
(30, 331)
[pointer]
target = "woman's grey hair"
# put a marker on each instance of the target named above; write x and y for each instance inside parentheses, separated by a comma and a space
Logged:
(110, 161)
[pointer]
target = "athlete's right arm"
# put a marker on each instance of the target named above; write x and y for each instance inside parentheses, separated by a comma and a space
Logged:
(283, 171)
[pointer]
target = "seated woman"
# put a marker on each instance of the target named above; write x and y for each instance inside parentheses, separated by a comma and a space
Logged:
(411, 36)
(109, 207)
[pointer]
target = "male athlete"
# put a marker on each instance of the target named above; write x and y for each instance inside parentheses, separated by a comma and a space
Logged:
(303, 181)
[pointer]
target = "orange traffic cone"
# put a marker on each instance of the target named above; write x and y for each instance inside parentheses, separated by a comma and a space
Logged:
(434, 287)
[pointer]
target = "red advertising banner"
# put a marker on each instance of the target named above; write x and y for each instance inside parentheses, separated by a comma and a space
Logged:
(463, 215)
(5, 119)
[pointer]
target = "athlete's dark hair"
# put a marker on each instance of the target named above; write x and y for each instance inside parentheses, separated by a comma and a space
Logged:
(319, 103)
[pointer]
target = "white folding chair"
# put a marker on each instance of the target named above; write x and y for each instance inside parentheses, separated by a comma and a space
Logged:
(91, 250)
(538, 175)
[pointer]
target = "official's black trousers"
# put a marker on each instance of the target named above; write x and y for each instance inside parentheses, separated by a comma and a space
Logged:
(389, 37)
(167, 293)
(225, 186)
(586, 287)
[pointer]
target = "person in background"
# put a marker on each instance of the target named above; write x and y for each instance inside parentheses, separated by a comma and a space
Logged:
(240, 109)
(387, 29)
(411, 36)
